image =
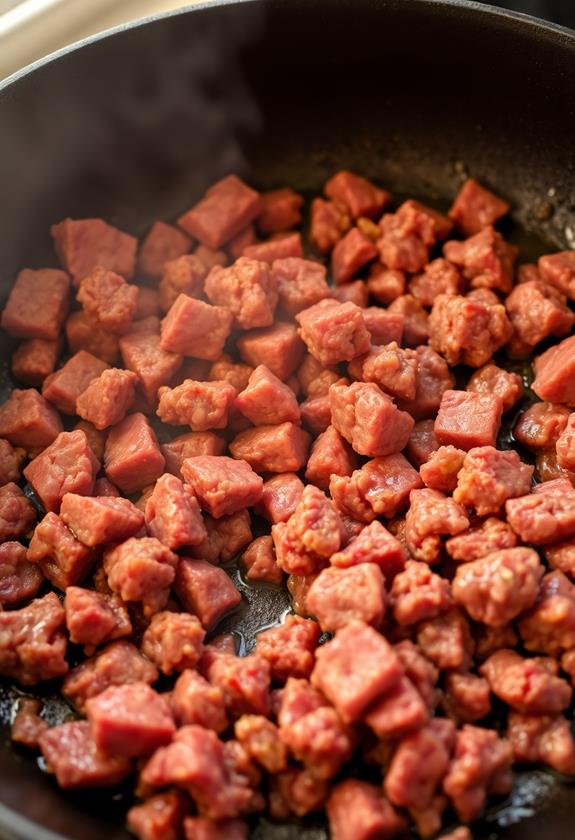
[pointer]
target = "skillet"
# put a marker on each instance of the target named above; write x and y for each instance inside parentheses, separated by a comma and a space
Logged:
(134, 125)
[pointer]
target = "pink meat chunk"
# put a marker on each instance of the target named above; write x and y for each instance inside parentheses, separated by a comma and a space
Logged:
(141, 570)
(66, 466)
(100, 520)
(183, 275)
(400, 710)
(173, 641)
(432, 515)
(479, 540)
(358, 811)
(311, 535)
(159, 817)
(35, 359)
(163, 242)
(224, 369)
(300, 283)
(261, 738)
(279, 210)
(566, 445)
(446, 640)
(63, 387)
(129, 720)
(489, 477)
(476, 207)
(202, 828)
(439, 277)
(409, 234)
(433, 379)
(142, 354)
(354, 292)
(380, 488)
(93, 619)
(63, 559)
(108, 398)
(37, 304)
(540, 426)
(415, 320)
(281, 495)
(531, 686)
(355, 669)
(266, 400)
(278, 347)
(297, 699)
(498, 587)
(289, 647)
(422, 442)
(277, 247)
(27, 725)
(83, 244)
(329, 220)
(132, 458)
(383, 326)
(357, 194)
(32, 641)
(442, 468)
(466, 331)
(467, 697)
(320, 741)
(485, 259)
(467, 420)
(189, 445)
(225, 538)
(350, 254)
(543, 517)
(71, 754)
(338, 596)
(173, 514)
(260, 561)
(222, 485)
(330, 455)
(393, 369)
(244, 682)
(419, 764)
(296, 792)
(491, 379)
(20, 579)
(419, 670)
(108, 299)
(205, 590)
(374, 544)
(333, 332)
(418, 594)
(549, 626)
(559, 270)
(227, 207)
(194, 328)
(542, 739)
(195, 701)
(200, 405)
(10, 461)
(536, 310)
(561, 556)
(279, 449)
(555, 373)
(385, 284)
(84, 333)
(17, 513)
(247, 289)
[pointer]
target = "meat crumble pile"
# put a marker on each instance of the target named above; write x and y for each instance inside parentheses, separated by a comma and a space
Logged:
(175, 394)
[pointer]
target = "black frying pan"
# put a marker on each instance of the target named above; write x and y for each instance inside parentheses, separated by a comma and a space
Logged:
(132, 127)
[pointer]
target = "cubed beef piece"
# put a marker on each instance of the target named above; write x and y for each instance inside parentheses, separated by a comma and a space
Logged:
(407, 237)
(93, 618)
(296, 699)
(400, 710)
(439, 277)
(418, 594)
(432, 380)
(419, 670)
(383, 326)
(163, 242)
(316, 413)
(488, 640)
(183, 275)
(158, 818)
(141, 570)
(96, 439)
(202, 828)
(485, 259)
(119, 663)
(260, 561)
(422, 442)
(536, 310)
(355, 669)
(329, 455)
(200, 405)
(549, 626)
(320, 741)
(338, 596)
(357, 194)
(446, 640)
(10, 461)
(418, 766)
(543, 517)
(368, 419)
(530, 686)
(314, 379)
(148, 309)
(225, 538)
(176, 451)
(559, 270)
(223, 485)
(108, 299)
(358, 811)
(300, 283)
(107, 398)
(70, 752)
(373, 544)
(267, 400)
(466, 331)
(279, 210)
(37, 304)
(225, 370)
(244, 682)
(481, 765)
(68, 465)
(540, 426)
(210, 256)
(333, 332)
(63, 387)
(393, 369)
(194, 328)
(562, 557)
(64, 560)
(565, 445)
(173, 641)
(467, 420)
(142, 354)
(431, 515)
(103, 487)
(296, 792)
(278, 347)
(195, 701)
(27, 725)
(350, 255)
(205, 590)
(441, 469)
(100, 520)
(281, 448)
(329, 221)
(278, 247)
(489, 477)
(130, 720)
(491, 379)
(466, 697)
(310, 536)
(498, 587)
(380, 488)
(247, 289)
(83, 244)
(555, 373)
(289, 647)
(415, 320)
(261, 738)
(281, 495)
(133, 459)
(476, 207)
(17, 513)
(226, 208)
(35, 359)
(84, 333)
(173, 514)
(542, 739)
(479, 540)
(385, 284)
(32, 641)
(20, 579)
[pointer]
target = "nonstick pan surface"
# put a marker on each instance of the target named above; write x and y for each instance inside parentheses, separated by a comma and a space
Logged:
(133, 126)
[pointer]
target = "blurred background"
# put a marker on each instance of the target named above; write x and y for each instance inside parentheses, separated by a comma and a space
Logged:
(30, 29)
